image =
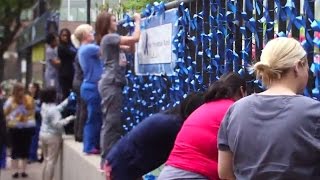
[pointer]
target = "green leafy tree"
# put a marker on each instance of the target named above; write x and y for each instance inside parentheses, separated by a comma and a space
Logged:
(118, 9)
(10, 24)
(126, 5)
(138, 5)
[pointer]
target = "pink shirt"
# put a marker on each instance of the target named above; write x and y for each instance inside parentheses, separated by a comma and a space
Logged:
(195, 148)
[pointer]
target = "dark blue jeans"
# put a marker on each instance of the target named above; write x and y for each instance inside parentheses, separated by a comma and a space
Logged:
(33, 153)
(92, 127)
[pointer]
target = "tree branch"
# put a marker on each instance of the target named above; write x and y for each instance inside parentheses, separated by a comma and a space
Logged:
(10, 33)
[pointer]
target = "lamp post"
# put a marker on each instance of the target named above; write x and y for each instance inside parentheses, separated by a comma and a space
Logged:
(88, 11)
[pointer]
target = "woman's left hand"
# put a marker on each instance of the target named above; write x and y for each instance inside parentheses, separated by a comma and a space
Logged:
(107, 170)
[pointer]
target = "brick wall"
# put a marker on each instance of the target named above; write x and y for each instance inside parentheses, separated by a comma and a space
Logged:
(71, 25)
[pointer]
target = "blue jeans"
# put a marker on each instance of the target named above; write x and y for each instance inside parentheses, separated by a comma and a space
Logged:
(3, 158)
(33, 153)
(91, 133)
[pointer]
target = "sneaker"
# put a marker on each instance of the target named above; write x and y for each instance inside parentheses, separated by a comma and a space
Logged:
(24, 175)
(15, 175)
(93, 151)
(41, 160)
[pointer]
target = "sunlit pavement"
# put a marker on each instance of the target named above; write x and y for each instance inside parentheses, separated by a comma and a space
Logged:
(34, 171)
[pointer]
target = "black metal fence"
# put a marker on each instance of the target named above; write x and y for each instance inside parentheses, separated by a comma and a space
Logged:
(216, 37)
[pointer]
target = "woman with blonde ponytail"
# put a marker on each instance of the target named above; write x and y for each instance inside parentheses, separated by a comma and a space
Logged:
(274, 134)
(91, 65)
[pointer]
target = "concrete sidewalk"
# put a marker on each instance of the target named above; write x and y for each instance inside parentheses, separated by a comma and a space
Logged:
(34, 171)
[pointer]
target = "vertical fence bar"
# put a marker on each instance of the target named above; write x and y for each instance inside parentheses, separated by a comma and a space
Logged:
(310, 47)
(206, 43)
(230, 37)
(248, 39)
(221, 28)
(270, 27)
(213, 29)
(192, 33)
(295, 30)
(248, 45)
(198, 34)
(238, 36)
(259, 15)
(282, 23)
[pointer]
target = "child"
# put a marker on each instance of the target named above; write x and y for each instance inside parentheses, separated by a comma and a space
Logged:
(52, 129)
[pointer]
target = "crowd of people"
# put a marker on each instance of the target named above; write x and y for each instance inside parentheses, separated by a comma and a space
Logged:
(218, 134)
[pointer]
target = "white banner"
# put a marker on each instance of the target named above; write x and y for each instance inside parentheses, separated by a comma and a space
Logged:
(155, 45)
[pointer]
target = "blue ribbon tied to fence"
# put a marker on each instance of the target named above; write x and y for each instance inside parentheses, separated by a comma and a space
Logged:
(164, 91)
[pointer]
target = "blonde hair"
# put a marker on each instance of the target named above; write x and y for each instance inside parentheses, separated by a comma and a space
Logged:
(279, 55)
(78, 34)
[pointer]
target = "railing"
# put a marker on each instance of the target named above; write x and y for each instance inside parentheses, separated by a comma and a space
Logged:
(220, 36)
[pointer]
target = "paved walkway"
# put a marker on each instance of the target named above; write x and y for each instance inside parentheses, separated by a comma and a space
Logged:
(34, 171)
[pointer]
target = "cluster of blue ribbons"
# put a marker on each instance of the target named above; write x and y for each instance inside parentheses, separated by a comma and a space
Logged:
(155, 9)
(205, 53)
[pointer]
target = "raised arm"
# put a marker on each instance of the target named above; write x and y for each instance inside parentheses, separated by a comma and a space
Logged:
(62, 105)
(131, 40)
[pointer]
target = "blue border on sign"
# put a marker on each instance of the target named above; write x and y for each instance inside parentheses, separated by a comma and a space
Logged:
(169, 17)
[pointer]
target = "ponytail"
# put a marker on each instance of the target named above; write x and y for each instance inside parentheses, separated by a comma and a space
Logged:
(77, 36)
(75, 41)
(227, 87)
(218, 90)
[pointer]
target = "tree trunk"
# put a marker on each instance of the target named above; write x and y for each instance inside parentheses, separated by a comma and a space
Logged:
(29, 67)
(2, 63)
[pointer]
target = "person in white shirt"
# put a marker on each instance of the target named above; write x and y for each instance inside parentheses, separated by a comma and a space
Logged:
(52, 129)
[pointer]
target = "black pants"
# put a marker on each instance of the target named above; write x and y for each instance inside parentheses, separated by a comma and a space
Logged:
(66, 86)
(21, 142)
(81, 117)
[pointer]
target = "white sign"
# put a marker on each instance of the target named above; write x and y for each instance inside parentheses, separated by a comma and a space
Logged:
(155, 46)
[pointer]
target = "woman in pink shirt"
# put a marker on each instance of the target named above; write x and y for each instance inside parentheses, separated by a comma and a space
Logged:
(195, 153)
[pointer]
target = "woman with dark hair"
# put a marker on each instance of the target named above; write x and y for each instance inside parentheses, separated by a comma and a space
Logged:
(113, 79)
(52, 62)
(34, 91)
(148, 145)
(20, 116)
(195, 152)
(67, 53)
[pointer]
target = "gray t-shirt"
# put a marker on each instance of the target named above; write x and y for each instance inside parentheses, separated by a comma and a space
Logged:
(115, 71)
(273, 137)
